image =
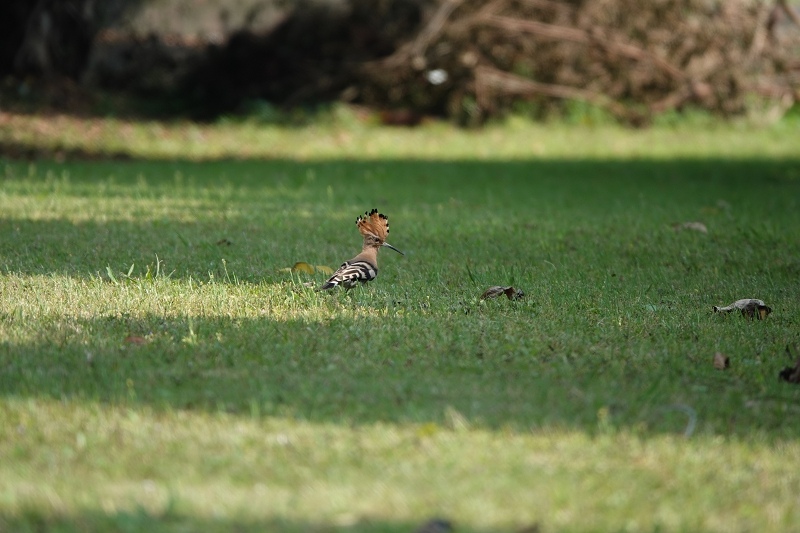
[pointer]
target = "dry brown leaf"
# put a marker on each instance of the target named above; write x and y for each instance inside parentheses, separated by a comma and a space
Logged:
(749, 307)
(496, 290)
(493, 292)
(721, 361)
(135, 339)
(791, 373)
(514, 294)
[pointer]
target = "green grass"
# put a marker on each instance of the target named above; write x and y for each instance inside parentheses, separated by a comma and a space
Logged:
(251, 402)
(342, 134)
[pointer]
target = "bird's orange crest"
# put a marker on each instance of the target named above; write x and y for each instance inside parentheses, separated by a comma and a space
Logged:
(373, 223)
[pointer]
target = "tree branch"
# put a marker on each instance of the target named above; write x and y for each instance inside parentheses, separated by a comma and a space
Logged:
(492, 78)
(576, 35)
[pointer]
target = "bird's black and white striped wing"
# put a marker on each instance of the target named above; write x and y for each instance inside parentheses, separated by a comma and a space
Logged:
(351, 273)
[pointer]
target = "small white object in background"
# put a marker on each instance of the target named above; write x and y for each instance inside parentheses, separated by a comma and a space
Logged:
(436, 76)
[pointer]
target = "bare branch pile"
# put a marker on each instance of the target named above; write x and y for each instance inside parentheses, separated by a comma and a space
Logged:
(474, 59)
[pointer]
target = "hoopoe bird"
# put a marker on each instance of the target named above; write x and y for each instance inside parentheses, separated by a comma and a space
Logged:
(362, 268)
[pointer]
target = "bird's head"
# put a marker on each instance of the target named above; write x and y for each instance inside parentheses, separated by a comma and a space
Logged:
(374, 227)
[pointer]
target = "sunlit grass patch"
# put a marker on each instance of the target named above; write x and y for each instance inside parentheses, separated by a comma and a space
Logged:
(515, 139)
(212, 465)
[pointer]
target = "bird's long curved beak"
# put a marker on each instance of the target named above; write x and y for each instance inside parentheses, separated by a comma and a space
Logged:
(393, 248)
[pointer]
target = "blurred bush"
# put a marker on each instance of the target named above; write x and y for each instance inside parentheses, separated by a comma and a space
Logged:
(468, 60)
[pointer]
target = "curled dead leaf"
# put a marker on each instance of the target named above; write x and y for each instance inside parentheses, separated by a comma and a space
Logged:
(135, 339)
(496, 290)
(694, 226)
(791, 373)
(514, 294)
(749, 307)
(492, 292)
(721, 361)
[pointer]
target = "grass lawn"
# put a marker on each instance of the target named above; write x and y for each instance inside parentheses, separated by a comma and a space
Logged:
(159, 371)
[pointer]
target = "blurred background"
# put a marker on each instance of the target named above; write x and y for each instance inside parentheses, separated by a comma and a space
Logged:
(467, 61)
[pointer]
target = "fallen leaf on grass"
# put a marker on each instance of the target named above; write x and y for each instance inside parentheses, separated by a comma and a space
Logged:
(427, 430)
(721, 361)
(135, 339)
(302, 266)
(695, 226)
(435, 525)
(749, 307)
(791, 373)
(497, 290)
(324, 269)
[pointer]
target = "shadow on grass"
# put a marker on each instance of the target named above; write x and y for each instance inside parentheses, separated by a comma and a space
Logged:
(264, 215)
(402, 372)
(96, 521)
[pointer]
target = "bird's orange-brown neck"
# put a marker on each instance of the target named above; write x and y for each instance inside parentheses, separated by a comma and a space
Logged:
(369, 252)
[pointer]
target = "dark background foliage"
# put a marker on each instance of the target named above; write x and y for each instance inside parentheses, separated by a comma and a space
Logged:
(467, 60)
